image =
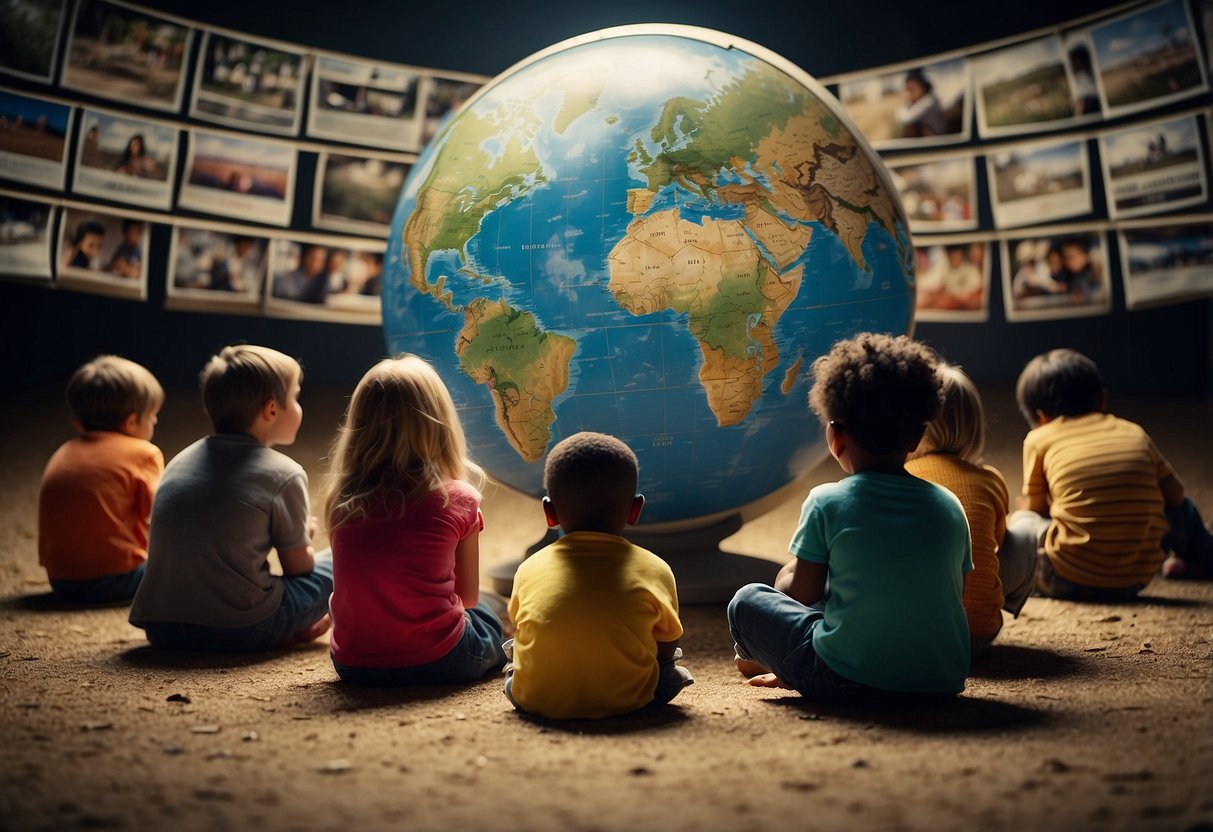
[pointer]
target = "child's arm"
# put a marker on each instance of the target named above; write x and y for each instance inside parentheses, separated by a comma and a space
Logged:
(1172, 490)
(301, 559)
(665, 650)
(803, 580)
(467, 569)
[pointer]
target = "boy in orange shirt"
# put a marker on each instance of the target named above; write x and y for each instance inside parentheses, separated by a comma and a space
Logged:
(96, 496)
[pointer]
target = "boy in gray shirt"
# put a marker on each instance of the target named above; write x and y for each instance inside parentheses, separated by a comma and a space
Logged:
(223, 503)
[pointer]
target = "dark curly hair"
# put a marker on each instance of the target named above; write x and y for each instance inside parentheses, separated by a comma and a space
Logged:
(592, 477)
(882, 389)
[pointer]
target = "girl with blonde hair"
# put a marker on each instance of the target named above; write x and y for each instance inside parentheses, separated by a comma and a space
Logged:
(402, 503)
(949, 454)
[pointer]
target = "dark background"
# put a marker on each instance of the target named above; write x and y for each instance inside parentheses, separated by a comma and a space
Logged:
(45, 334)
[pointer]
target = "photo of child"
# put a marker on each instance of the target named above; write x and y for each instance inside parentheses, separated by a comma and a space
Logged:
(103, 253)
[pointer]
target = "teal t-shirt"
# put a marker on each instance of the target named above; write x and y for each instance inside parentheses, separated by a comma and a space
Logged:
(896, 549)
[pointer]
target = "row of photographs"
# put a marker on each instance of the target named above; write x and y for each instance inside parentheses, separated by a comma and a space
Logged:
(1148, 167)
(133, 160)
(125, 53)
(1141, 59)
(1052, 273)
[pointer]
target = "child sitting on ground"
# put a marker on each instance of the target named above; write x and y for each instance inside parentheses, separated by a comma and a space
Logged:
(1099, 496)
(894, 548)
(96, 493)
(949, 454)
(596, 616)
(223, 503)
(404, 517)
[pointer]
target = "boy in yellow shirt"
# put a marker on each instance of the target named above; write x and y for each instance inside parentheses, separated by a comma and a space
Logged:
(596, 617)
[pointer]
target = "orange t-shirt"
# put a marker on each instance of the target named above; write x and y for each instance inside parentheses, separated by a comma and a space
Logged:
(95, 504)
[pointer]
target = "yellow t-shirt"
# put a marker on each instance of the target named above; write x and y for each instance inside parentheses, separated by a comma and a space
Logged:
(1098, 478)
(983, 496)
(589, 610)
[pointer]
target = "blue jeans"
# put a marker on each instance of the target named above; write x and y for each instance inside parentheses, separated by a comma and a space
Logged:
(305, 600)
(104, 590)
(776, 631)
(477, 652)
(1187, 536)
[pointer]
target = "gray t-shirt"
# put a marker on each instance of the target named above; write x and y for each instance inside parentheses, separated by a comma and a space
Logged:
(222, 504)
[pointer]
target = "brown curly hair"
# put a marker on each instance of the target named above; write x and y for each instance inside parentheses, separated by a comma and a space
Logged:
(882, 389)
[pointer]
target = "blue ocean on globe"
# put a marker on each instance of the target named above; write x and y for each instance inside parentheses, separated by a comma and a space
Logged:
(650, 232)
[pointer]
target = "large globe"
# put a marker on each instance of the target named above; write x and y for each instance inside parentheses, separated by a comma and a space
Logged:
(651, 232)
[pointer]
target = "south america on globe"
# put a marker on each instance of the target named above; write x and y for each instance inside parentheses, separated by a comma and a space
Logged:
(651, 232)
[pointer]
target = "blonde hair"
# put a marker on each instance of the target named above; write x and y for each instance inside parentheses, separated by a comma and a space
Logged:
(960, 428)
(400, 435)
(238, 382)
(106, 390)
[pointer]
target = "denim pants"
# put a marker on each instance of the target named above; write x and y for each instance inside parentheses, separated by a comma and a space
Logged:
(1187, 536)
(776, 631)
(106, 589)
(477, 653)
(305, 600)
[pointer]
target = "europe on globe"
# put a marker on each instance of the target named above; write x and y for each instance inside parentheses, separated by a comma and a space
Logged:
(651, 232)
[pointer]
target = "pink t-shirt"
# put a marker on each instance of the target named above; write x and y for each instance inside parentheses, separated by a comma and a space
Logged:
(394, 602)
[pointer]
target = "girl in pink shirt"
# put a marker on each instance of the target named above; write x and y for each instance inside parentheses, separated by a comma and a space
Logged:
(403, 510)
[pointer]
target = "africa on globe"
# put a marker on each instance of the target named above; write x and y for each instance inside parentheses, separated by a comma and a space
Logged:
(651, 232)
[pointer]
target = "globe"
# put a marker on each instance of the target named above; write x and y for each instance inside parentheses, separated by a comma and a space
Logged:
(651, 232)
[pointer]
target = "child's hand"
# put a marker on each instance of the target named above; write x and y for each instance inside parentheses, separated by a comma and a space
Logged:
(768, 680)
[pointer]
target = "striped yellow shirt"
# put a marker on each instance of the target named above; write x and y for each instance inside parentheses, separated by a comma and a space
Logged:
(1098, 478)
(983, 496)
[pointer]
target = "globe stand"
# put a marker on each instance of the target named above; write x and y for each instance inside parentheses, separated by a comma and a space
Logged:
(705, 573)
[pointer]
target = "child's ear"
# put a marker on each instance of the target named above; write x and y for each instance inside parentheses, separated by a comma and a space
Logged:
(549, 512)
(637, 507)
(130, 424)
(1042, 418)
(269, 410)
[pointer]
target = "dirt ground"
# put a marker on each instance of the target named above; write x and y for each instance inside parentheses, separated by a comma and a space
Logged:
(1080, 717)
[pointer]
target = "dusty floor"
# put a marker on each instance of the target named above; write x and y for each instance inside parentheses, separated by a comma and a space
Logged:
(1081, 716)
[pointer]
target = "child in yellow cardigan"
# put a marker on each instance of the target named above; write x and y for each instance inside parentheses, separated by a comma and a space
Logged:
(950, 455)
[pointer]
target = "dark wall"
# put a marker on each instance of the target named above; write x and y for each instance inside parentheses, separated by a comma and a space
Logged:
(44, 334)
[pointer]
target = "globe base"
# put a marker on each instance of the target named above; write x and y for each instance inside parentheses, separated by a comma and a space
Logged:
(706, 574)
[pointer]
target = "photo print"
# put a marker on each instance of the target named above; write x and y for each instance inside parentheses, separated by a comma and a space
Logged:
(953, 281)
(25, 245)
(938, 195)
(444, 95)
(126, 159)
(232, 176)
(126, 54)
(335, 279)
(357, 194)
(920, 106)
(1064, 275)
(33, 140)
(1153, 167)
(365, 103)
(103, 253)
(1167, 264)
(212, 269)
(1039, 182)
(249, 84)
(1147, 58)
(29, 38)
(1024, 88)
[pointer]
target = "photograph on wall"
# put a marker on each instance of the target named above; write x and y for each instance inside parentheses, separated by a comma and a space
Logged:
(126, 159)
(365, 103)
(25, 245)
(248, 84)
(443, 97)
(33, 140)
(215, 270)
(1039, 182)
(953, 282)
(1167, 264)
(239, 178)
(336, 279)
(1153, 167)
(1147, 58)
(1024, 88)
(126, 54)
(29, 38)
(103, 253)
(357, 193)
(916, 107)
(938, 195)
(1063, 275)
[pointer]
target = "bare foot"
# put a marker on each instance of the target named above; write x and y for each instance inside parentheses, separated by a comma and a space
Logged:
(768, 680)
(749, 668)
(313, 632)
